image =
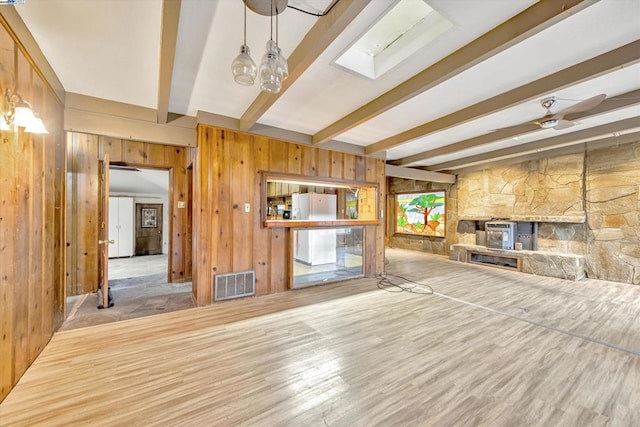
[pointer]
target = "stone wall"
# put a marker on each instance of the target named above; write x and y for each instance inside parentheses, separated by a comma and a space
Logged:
(562, 238)
(541, 190)
(585, 204)
(547, 191)
(613, 203)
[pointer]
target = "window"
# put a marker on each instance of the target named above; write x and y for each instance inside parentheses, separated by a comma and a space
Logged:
(298, 201)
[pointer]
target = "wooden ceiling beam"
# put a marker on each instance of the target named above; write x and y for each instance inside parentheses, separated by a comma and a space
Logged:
(611, 104)
(556, 152)
(129, 128)
(77, 101)
(419, 174)
(596, 144)
(594, 67)
(230, 123)
(531, 21)
(169, 38)
(541, 145)
(319, 38)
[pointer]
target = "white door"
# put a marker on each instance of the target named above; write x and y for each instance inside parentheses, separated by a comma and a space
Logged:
(113, 227)
(121, 230)
(126, 232)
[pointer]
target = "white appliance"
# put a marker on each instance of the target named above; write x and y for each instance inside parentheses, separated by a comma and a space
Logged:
(314, 247)
(121, 226)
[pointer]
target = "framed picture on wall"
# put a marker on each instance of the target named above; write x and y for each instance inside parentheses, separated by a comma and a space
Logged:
(149, 218)
(421, 213)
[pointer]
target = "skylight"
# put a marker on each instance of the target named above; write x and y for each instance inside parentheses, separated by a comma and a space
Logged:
(406, 28)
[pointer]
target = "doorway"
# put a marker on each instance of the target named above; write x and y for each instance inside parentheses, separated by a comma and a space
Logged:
(138, 263)
(139, 210)
(148, 229)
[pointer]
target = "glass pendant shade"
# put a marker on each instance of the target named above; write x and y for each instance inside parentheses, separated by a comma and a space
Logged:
(243, 68)
(284, 66)
(271, 69)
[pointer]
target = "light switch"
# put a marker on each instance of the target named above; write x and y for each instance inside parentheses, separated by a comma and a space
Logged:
(247, 207)
(182, 204)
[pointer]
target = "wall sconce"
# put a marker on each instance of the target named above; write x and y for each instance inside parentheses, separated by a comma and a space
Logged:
(18, 112)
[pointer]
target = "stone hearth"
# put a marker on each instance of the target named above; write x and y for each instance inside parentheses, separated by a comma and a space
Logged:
(541, 263)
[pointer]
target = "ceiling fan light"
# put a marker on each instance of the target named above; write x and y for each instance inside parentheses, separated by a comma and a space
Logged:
(547, 124)
(243, 68)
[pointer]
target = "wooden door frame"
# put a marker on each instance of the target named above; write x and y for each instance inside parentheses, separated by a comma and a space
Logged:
(103, 231)
(170, 207)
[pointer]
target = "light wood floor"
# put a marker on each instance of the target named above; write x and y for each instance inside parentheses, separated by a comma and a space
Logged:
(491, 347)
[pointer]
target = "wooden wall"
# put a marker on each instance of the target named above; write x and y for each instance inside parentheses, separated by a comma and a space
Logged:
(228, 175)
(84, 152)
(32, 210)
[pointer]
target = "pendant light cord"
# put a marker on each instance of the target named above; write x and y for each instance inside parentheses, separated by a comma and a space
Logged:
(271, 12)
(245, 21)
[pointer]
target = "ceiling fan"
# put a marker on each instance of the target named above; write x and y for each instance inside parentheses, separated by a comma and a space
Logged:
(557, 120)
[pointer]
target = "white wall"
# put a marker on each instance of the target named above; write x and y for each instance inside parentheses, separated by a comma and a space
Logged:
(152, 198)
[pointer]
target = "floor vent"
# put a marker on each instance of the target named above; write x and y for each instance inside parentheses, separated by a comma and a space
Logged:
(234, 285)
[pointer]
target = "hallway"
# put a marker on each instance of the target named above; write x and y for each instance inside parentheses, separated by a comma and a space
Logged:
(139, 287)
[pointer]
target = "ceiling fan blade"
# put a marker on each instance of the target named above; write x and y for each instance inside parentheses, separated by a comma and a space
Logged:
(581, 106)
(563, 124)
(513, 130)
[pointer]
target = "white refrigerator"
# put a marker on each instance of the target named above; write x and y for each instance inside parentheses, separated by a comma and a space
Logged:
(314, 247)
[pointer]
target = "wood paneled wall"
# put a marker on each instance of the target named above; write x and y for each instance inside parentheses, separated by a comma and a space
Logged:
(32, 210)
(84, 152)
(227, 171)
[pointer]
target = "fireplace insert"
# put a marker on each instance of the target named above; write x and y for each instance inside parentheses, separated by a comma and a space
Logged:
(500, 234)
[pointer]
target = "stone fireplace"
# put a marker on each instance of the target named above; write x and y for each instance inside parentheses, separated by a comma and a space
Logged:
(586, 206)
(556, 249)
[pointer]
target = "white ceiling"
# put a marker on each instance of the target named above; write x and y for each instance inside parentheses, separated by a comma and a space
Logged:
(111, 50)
(139, 181)
(106, 49)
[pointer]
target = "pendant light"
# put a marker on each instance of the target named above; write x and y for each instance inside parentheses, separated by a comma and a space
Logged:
(243, 68)
(271, 69)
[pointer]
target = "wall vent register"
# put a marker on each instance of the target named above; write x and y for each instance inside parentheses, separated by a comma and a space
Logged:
(234, 285)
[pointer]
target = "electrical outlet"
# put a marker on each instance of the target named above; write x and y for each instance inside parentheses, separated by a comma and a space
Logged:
(247, 207)
(182, 204)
